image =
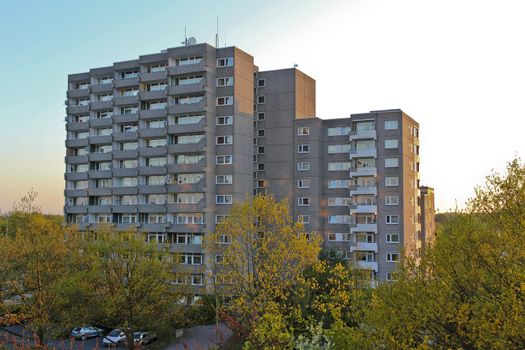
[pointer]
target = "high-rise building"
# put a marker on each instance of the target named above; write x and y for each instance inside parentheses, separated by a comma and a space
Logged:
(165, 144)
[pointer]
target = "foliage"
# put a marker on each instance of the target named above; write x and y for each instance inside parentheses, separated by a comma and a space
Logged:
(262, 267)
(468, 292)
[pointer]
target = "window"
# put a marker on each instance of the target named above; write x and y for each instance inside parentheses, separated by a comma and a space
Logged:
(303, 148)
(391, 276)
(157, 237)
(393, 143)
(392, 238)
(190, 178)
(260, 116)
(156, 218)
(186, 198)
(226, 120)
(187, 100)
(129, 110)
(339, 219)
(303, 201)
(218, 258)
(224, 199)
(339, 166)
(154, 105)
(392, 219)
(261, 99)
(303, 183)
(190, 219)
(391, 125)
(225, 101)
(340, 237)
(260, 133)
(339, 201)
(305, 219)
(226, 81)
(303, 166)
(155, 180)
(338, 183)
(224, 179)
(188, 238)
(104, 80)
(224, 140)
(225, 62)
(191, 259)
(156, 86)
(129, 92)
(224, 159)
(156, 124)
(364, 125)
(189, 80)
(220, 218)
(156, 68)
(156, 161)
(260, 167)
(129, 146)
(188, 119)
(129, 163)
(339, 149)
(126, 182)
(339, 131)
(128, 127)
(104, 114)
(104, 218)
(188, 60)
(260, 150)
(392, 257)
(129, 74)
(301, 131)
(391, 200)
(391, 181)
(152, 143)
(261, 82)
(188, 158)
(391, 162)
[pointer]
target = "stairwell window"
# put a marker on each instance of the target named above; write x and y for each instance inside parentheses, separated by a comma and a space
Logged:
(303, 130)
(391, 125)
(224, 179)
(391, 144)
(391, 181)
(392, 238)
(391, 162)
(226, 81)
(225, 62)
(224, 140)
(391, 200)
(303, 149)
(303, 166)
(225, 101)
(303, 183)
(225, 120)
(305, 219)
(224, 159)
(392, 257)
(303, 201)
(392, 219)
(261, 99)
(224, 199)
(260, 116)
(391, 276)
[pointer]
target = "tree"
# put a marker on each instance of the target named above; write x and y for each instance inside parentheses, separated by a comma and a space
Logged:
(132, 282)
(261, 255)
(468, 292)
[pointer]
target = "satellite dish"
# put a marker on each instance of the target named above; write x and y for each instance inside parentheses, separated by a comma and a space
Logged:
(192, 40)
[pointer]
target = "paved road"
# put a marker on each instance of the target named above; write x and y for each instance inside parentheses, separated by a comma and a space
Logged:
(201, 338)
(25, 337)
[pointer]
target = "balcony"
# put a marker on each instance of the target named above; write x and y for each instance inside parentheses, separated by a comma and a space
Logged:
(77, 126)
(76, 176)
(365, 246)
(100, 191)
(187, 128)
(155, 132)
(152, 208)
(130, 154)
(185, 69)
(76, 209)
(77, 109)
(101, 122)
(152, 170)
(100, 157)
(125, 83)
(363, 153)
(188, 88)
(357, 190)
(124, 209)
(153, 113)
(363, 135)
(196, 187)
(76, 159)
(185, 248)
(153, 95)
(154, 76)
(363, 228)
(152, 151)
(363, 209)
(99, 140)
(187, 208)
(128, 190)
(125, 100)
(125, 172)
(153, 227)
(100, 209)
(101, 105)
(366, 171)
(189, 228)
(187, 168)
(152, 189)
(101, 88)
(126, 136)
(368, 265)
(77, 142)
(78, 93)
(75, 193)
(189, 147)
(126, 118)
(188, 107)
(99, 174)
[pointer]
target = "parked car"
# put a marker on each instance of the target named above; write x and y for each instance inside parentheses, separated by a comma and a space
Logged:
(143, 338)
(82, 333)
(114, 338)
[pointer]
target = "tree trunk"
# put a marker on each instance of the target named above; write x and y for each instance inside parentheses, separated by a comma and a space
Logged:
(130, 338)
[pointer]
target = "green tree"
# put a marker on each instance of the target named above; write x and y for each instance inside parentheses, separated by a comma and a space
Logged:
(261, 255)
(132, 282)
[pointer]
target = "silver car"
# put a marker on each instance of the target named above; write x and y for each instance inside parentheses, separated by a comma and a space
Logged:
(82, 333)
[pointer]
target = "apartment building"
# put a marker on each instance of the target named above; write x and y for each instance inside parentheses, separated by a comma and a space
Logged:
(166, 143)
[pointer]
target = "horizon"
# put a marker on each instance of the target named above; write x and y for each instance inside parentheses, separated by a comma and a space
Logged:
(457, 79)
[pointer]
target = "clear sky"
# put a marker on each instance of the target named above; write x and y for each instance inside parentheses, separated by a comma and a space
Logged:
(458, 67)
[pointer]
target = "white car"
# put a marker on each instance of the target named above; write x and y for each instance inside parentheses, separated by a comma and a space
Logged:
(114, 338)
(82, 333)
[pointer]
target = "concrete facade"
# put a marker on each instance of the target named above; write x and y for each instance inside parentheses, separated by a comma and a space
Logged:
(166, 143)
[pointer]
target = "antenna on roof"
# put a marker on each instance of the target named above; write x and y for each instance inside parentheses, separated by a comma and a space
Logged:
(224, 39)
(295, 65)
(217, 34)
(185, 42)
